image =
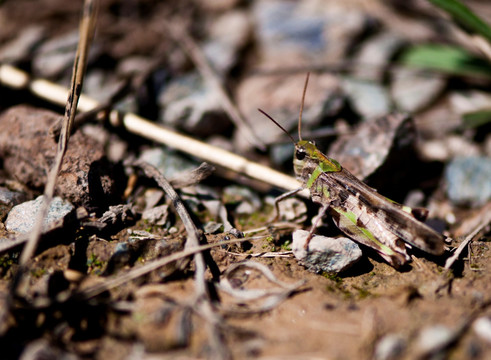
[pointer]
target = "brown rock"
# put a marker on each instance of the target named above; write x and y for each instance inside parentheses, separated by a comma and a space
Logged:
(28, 151)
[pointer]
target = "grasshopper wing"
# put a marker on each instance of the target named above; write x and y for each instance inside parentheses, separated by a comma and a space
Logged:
(398, 222)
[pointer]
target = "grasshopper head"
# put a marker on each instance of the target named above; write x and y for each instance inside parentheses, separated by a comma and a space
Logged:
(307, 158)
(303, 157)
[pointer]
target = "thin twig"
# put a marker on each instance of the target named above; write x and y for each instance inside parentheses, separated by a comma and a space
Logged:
(182, 37)
(191, 229)
(451, 260)
(270, 296)
(103, 108)
(217, 342)
(140, 271)
(87, 25)
(135, 124)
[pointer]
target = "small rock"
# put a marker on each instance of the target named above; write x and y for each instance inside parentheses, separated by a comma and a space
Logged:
(168, 162)
(482, 327)
(20, 47)
(433, 338)
(292, 210)
(137, 235)
(219, 5)
(412, 90)
(8, 199)
(247, 201)
(307, 31)
(23, 217)
(152, 197)
(134, 65)
(212, 227)
(447, 148)
(284, 28)
(463, 102)
(228, 34)
(189, 103)
(120, 258)
(377, 52)
(390, 347)
(200, 195)
(325, 254)
(101, 85)
(55, 55)
(468, 180)
(438, 120)
(42, 349)
(157, 215)
(370, 99)
(86, 177)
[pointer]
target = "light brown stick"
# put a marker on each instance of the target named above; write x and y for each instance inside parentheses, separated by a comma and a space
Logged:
(135, 124)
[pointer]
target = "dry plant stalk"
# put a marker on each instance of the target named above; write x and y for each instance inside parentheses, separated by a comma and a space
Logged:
(87, 26)
(468, 239)
(135, 124)
(150, 266)
(202, 302)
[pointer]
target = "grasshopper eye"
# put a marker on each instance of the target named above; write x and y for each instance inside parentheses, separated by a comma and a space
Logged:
(300, 154)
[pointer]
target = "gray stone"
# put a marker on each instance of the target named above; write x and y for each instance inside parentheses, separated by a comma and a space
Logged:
(101, 85)
(212, 227)
(23, 217)
(189, 103)
(310, 30)
(168, 162)
(413, 90)
(157, 215)
(370, 99)
(21, 46)
(55, 55)
(9, 197)
(247, 201)
(482, 327)
(291, 209)
(283, 27)
(228, 34)
(468, 180)
(375, 54)
(433, 338)
(280, 153)
(390, 347)
(325, 254)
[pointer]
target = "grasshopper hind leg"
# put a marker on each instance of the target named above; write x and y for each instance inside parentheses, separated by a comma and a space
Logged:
(320, 215)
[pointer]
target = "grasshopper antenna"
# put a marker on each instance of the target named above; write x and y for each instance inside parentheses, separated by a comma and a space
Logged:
(277, 124)
(301, 107)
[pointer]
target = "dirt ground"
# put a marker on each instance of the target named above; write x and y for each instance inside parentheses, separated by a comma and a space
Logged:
(371, 311)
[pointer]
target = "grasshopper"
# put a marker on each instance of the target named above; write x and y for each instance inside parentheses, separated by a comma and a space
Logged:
(357, 209)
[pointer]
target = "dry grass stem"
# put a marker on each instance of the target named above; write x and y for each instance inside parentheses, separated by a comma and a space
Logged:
(137, 125)
(87, 26)
(140, 271)
(202, 300)
(451, 260)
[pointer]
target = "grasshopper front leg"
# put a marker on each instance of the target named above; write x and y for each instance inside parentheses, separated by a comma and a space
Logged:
(281, 198)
